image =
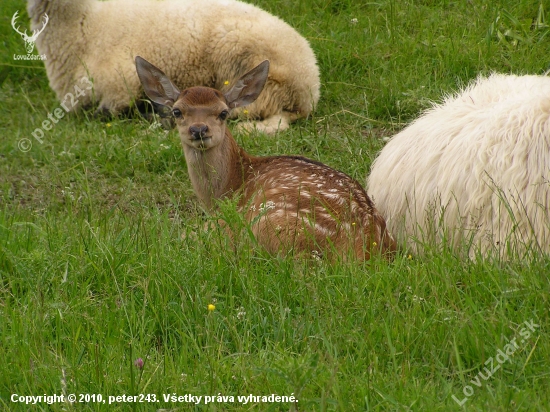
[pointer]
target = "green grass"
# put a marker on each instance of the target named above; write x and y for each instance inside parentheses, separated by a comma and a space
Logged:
(99, 267)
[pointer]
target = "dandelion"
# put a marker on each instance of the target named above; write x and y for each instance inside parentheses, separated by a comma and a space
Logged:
(409, 257)
(374, 244)
(245, 111)
(139, 363)
(226, 82)
(211, 307)
(108, 125)
(353, 223)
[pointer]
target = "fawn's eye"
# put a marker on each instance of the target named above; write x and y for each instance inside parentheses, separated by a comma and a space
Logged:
(176, 113)
(223, 115)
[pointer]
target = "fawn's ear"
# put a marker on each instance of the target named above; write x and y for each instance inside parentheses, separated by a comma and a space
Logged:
(248, 87)
(156, 84)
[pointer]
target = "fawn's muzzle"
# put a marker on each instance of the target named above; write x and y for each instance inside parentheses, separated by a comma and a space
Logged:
(197, 132)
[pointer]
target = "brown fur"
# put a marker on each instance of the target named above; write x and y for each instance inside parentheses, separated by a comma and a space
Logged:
(304, 206)
(294, 204)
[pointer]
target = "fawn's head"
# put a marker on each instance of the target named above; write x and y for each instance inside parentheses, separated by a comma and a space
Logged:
(200, 112)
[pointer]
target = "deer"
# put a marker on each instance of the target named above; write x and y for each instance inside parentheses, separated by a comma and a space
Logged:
(29, 41)
(294, 205)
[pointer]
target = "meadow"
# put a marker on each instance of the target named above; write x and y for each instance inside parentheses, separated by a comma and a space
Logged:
(97, 269)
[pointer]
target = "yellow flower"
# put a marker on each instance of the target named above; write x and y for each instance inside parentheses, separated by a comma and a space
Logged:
(211, 307)
(226, 82)
(409, 257)
(245, 111)
(108, 125)
(353, 223)
(374, 244)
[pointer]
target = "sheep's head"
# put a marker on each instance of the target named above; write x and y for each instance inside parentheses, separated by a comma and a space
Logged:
(201, 112)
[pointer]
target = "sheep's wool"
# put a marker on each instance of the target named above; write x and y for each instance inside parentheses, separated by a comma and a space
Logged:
(196, 42)
(472, 172)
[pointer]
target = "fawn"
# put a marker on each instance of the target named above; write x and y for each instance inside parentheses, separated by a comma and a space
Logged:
(292, 203)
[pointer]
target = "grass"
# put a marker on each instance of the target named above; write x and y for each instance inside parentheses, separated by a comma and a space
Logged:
(95, 273)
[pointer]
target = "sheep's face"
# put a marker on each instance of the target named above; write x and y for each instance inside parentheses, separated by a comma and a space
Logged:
(200, 114)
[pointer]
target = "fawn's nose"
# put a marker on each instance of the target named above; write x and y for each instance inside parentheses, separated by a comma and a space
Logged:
(198, 131)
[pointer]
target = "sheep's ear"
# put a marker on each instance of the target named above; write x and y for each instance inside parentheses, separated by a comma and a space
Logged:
(248, 87)
(156, 84)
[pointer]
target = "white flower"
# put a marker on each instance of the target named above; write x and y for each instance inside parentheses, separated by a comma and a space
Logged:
(418, 299)
(68, 193)
(155, 125)
(315, 254)
(270, 204)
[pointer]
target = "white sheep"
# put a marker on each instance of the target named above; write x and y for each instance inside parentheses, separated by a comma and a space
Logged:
(197, 42)
(472, 172)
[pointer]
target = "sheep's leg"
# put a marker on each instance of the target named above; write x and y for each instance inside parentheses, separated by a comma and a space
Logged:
(117, 94)
(102, 113)
(270, 125)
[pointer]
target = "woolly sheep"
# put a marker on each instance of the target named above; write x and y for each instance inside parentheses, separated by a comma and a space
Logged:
(473, 171)
(197, 42)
